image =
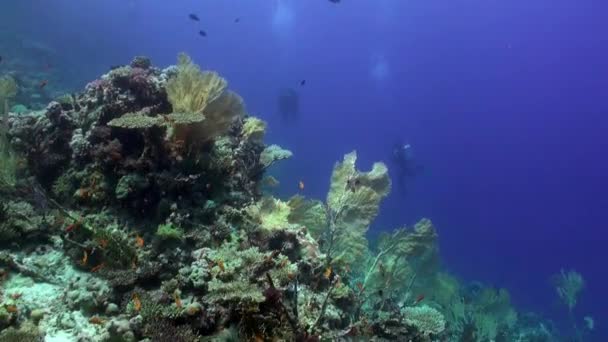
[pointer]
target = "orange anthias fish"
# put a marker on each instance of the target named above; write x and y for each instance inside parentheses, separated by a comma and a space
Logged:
(96, 320)
(71, 227)
(98, 267)
(327, 273)
(43, 83)
(139, 241)
(178, 301)
(103, 243)
(136, 302)
(301, 185)
(11, 308)
(85, 258)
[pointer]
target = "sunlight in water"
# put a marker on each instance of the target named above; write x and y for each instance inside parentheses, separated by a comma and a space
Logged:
(283, 17)
(379, 68)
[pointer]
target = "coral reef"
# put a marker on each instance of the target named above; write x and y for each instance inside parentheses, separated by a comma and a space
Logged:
(136, 213)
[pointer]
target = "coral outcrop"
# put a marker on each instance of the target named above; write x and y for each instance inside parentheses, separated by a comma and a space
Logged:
(136, 213)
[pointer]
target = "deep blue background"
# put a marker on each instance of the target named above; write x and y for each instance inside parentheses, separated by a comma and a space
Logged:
(504, 102)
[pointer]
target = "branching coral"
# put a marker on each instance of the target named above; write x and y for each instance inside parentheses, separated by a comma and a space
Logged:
(239, 275)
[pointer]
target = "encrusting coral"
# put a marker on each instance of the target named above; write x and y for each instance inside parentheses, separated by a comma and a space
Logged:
(138, 215)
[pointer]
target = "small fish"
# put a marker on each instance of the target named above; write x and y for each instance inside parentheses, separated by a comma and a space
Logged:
(136, 302)
(103, 243)
(11, 308)
(194, 17)
(302, 82)
(71, 227)
(96, 320)
(237, 20)
(43, 84)
(301, 185)
(419, 299)
(202, 33)
(85, 258)
(139, 241)
(178, 301)
(98, 267)
(327, 273)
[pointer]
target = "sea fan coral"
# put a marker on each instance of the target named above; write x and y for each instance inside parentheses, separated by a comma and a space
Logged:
(191, 90)
(353, 201)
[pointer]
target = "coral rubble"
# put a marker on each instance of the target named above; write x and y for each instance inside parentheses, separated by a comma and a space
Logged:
(137, 214)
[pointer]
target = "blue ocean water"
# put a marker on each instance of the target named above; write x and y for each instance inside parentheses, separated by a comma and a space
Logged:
(503, 104)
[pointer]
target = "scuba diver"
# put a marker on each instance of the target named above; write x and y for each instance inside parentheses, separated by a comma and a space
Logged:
(405, 165)
(288, 104)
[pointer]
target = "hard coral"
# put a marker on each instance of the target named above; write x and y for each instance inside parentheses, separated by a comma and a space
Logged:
(425, 318)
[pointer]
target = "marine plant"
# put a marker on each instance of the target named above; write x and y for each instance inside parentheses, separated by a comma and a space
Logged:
(168, 231)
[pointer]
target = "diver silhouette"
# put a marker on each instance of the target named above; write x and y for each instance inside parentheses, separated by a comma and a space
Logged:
(405, 165)
(288, 104)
